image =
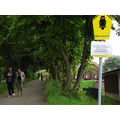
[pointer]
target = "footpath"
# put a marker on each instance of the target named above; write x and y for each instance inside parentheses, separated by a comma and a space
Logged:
(33, 94)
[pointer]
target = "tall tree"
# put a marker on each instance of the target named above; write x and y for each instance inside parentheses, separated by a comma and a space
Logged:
(111, 63)
(86, 50)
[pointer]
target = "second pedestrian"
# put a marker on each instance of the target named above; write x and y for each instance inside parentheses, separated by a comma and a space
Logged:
(20, 76)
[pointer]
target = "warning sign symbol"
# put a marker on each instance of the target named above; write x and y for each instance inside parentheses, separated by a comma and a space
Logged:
(102, 22)
(102, 26)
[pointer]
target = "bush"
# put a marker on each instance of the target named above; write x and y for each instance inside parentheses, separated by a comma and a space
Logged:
(30, 74)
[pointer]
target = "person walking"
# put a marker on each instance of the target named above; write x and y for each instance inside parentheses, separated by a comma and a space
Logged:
(38, 76)
(20, 76)
(10, 81)
(41, 77)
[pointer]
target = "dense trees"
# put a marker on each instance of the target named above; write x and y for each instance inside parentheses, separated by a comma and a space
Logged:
(111, 63)
(54, 43)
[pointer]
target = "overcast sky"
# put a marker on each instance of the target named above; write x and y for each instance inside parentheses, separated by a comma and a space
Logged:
(115, 41)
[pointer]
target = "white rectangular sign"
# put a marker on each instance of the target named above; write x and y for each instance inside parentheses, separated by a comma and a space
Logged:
(101, 49)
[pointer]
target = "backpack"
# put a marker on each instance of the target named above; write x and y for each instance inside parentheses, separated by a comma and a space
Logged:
(19, 77)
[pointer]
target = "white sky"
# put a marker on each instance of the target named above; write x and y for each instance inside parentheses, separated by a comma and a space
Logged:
(115, 41)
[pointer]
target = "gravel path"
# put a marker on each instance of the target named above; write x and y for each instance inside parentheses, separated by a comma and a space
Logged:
(33, 94)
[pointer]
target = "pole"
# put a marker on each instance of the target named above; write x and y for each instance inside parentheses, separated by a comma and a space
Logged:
(100, 81)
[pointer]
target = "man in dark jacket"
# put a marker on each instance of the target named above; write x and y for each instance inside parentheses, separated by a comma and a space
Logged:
(10, 81)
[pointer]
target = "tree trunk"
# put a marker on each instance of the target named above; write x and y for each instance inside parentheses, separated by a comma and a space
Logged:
(68, 81)
(0, 74)
(58, 71)
(84, 57)
(53, 70)
(67, 84)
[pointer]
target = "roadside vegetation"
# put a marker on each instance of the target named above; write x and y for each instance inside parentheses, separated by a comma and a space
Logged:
(55, 96)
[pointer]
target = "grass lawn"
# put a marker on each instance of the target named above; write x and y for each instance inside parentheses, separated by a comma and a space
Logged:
(55, 96)
(87, 83)
(3, 86)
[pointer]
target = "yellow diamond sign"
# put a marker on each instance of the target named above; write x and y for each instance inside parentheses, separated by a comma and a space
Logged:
(102, 26)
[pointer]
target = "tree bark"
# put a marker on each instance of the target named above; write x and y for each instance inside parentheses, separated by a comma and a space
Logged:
(84, 57)
(58, 71)
(67, 84)
(68, 81)
(53, 70)
(0, 74)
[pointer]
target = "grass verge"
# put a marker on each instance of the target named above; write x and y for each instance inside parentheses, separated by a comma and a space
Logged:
(55, 96)
(87, 83)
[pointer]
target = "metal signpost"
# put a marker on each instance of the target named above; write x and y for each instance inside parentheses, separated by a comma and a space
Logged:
(101, 26)
(100, 81)
(100, 49)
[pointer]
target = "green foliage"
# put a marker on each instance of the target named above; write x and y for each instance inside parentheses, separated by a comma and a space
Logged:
(30, 74)
(87, 83)
(55, 96)
(111, 63)
(33, 42)
(3, 87)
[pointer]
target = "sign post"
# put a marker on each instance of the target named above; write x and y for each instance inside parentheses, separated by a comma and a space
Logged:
(101, 26)
(100, 81)
(100, 49)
